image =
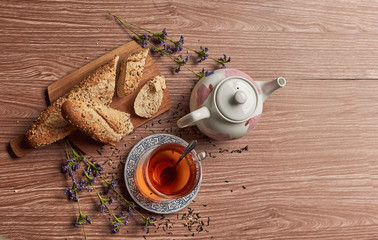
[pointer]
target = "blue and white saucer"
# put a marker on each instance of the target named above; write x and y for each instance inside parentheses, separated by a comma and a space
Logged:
(142, 148)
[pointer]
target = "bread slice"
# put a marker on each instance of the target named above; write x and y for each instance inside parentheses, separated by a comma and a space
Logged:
(100, 85)
(131, 71)
(102, 123)
(50, 125)
(150, 97)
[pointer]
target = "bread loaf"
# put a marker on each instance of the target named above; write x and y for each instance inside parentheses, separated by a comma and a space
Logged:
(50, 125)
(131, 71)
(102, 123)
(150, 97)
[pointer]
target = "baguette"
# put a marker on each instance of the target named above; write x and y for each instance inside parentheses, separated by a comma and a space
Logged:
(131, 71)
(150, 97)
(50, 125)
(102, 123)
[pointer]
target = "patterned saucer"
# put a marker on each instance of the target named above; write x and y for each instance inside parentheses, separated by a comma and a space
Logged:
(142, 148)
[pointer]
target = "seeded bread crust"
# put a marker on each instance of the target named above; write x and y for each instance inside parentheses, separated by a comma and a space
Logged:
(50, 125)
(150, 97)
(131, 72)
(102, 123)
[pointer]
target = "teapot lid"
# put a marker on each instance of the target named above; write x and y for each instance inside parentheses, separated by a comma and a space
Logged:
(236, 98)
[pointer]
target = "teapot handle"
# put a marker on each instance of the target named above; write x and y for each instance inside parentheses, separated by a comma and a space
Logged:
(191, 118)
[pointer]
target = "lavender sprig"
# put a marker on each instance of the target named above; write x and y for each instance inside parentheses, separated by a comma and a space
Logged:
(154, 47)
(92, 170)
(168, 50)
(72, 165)
(129, 205)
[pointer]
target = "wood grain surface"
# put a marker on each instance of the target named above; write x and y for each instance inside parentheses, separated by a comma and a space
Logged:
(310, 171)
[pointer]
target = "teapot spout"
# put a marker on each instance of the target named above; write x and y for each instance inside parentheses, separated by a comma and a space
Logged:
(268, 87)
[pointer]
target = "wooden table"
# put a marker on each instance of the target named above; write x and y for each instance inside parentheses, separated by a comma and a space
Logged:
(311, 169)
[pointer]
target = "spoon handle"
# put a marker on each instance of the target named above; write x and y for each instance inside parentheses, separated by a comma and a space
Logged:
(188, 149)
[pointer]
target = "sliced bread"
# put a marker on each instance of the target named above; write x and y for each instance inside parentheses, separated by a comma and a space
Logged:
(102, 123)
(150, 97)
(131, 71)
(50, 126)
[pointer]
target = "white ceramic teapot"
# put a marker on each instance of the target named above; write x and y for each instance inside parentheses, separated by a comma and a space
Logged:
(227, 103)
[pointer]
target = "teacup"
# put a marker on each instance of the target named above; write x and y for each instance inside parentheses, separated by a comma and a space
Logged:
(149, 172)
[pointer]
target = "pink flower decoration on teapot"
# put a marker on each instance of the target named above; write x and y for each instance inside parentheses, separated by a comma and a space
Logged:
(202, 93)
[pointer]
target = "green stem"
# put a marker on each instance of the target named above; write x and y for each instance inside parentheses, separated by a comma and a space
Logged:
(86, 174)
(65, 146)
(75, 154)
(80, 213)
(103, 202)
(132, 24)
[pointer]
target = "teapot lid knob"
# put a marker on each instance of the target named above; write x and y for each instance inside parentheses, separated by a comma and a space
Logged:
(240, 97)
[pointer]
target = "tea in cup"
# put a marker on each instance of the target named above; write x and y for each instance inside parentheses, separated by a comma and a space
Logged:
(151, 177)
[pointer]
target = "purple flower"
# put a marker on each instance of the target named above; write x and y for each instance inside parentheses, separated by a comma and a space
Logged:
(67, 191)
(203, 55)
(88, 219)
(161, 37)
(89, 171)
(177, 49)
(203, 73)
(167, 48)
(65, 169)
(102, 208)
(93, 180)
(83, 184)
(122, 214)
(224, 60)
(116, 227)
(208, 73)
(113, 184)
(82, 219)
(178, 45)
(181, 41)
(99, 167)
(72, 175)
(185, 60)
(130, 210)
(70, 194)
(164, 33)
(180, 61)
(75, 166)
(123, 217)
(142, 39)
(110, 186)
(149, 221)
